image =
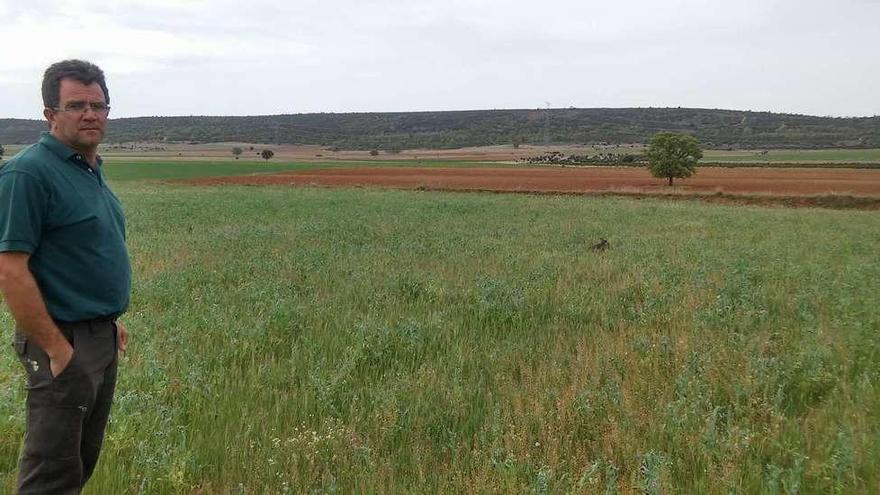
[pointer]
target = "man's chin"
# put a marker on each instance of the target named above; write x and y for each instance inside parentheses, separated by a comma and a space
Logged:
(91, 137)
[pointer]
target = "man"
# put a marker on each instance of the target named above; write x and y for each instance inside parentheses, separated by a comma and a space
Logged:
(66, 277)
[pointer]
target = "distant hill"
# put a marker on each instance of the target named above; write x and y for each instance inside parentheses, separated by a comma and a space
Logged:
(406, 130)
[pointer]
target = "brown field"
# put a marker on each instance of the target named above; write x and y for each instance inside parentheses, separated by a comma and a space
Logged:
(792, 186)
(298, 152)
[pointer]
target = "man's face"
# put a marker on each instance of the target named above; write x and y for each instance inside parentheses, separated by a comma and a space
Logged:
(81, 130)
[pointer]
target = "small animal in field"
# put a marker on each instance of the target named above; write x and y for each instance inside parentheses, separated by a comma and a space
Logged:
(602, 245)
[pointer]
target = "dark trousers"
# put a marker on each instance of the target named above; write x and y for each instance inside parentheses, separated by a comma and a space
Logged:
(67, 414)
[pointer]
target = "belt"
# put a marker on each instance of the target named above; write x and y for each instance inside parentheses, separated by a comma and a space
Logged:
(70, 327)
(97, 319)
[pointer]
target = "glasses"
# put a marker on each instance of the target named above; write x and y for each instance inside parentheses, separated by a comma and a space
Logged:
(98, 107)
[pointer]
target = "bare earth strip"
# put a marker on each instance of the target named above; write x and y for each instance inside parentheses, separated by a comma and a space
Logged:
(793, 186)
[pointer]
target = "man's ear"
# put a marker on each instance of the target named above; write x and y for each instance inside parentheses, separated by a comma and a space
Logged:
(50, 116)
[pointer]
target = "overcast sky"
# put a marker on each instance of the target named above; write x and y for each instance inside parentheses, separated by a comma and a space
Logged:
(225, 57)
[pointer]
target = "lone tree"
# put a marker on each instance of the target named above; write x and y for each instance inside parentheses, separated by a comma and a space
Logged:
(1, 151)
(673, 155)
(266, 154)
(236, 151)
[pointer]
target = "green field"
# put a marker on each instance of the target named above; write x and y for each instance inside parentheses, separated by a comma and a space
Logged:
(295, 340)
(795, 156)
(129, 170)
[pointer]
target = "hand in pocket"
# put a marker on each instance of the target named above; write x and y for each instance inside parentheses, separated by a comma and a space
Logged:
(61, 361)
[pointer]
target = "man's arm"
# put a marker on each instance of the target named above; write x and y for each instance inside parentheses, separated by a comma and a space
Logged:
(29, 310)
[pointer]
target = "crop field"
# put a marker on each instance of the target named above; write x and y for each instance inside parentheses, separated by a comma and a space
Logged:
(135, 169)
(859, 187)
(795, 156)
(356, 340)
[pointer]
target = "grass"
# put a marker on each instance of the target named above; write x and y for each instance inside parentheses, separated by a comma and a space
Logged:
(795, 156)
(292, 340)
(128, 170)
(119, 169)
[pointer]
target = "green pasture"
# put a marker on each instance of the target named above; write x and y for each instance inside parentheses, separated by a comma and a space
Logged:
(133, 170)
(296, 340)
(795, 156)
(127, 170)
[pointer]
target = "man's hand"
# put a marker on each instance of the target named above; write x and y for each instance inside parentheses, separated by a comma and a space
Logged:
(27, 307)
(59, 360)
(121, 337)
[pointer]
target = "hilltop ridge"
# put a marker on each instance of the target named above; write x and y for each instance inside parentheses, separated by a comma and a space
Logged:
(454, 129)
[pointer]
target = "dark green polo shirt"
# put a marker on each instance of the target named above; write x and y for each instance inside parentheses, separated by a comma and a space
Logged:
(53, 206)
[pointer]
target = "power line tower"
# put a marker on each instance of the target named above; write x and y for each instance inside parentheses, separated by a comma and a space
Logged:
(547, 124)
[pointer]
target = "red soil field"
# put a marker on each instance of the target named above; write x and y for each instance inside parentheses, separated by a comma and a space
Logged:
(748, 184)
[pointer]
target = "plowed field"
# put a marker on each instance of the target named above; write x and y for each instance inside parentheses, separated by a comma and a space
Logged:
(761, 184)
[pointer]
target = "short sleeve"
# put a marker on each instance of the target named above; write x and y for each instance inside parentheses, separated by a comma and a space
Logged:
(23, 205)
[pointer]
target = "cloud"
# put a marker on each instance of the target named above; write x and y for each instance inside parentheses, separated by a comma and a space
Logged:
(338, 55)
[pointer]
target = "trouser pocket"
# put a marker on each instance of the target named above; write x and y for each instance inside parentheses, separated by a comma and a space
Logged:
(36, 365)
(69, 388)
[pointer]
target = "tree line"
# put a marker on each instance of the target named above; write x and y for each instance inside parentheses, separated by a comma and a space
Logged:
(717, 129)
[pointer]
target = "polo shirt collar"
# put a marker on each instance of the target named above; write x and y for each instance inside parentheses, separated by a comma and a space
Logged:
(62, 150)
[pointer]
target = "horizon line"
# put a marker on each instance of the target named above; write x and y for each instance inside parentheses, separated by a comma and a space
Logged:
(479, 110)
